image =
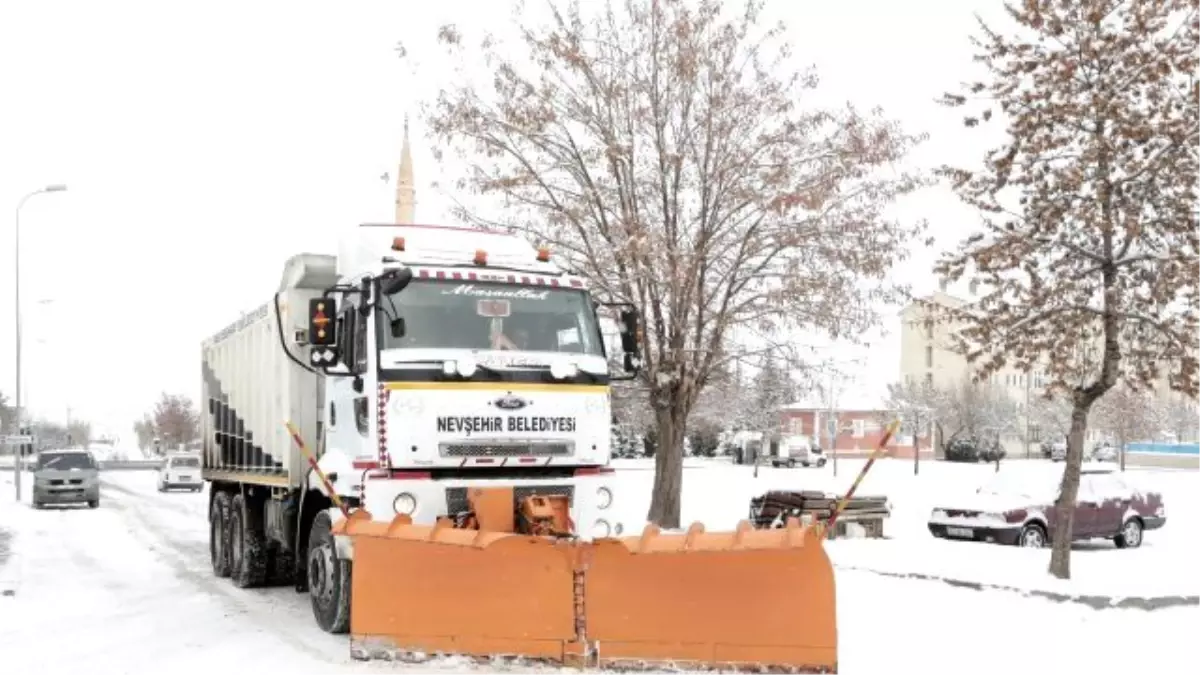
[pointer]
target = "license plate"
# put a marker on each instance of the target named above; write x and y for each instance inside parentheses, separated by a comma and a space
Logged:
(185, 479)
(960, 532)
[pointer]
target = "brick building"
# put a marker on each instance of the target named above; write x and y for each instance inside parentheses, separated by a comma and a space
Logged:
(859, 428)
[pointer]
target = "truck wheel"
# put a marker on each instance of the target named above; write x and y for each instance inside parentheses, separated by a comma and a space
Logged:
(218, 519)
(328, 579)
(247, 545)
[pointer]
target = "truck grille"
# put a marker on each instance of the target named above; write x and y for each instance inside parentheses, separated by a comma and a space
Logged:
(456, 497)
(504, 449)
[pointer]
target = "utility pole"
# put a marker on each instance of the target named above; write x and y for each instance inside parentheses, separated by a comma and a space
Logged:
(18, 460)
(832, 423)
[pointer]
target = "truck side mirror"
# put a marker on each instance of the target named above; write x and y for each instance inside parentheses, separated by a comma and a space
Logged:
(397, 328)
(395, 281)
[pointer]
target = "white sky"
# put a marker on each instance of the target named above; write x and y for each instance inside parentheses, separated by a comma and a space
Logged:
(203, 143)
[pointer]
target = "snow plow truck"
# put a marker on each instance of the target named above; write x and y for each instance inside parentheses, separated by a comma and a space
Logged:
(416, 432)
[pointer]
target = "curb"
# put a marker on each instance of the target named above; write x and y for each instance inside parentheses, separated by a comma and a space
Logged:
(1144, 603)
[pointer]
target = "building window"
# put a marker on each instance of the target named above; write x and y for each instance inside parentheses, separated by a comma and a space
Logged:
(929, 379)
(928, 357)
(1035, 435)
(860, 428)
(929, 328)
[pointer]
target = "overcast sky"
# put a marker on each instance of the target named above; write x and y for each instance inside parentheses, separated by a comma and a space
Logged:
(204, 143)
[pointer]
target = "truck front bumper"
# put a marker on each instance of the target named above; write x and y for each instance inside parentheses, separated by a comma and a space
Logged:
(594, 499)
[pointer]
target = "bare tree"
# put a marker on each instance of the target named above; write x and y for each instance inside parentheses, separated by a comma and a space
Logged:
(1183, 419)
(1129, 415)
(726, 398)
(1088, 260)
(667, 151)
(974, 409)
(917, 404)
(770, 390)
(144, 430)
(1050, 414)
(176, 420)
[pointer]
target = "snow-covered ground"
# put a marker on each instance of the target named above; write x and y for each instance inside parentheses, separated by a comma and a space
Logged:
(718, 494)
(127, 588)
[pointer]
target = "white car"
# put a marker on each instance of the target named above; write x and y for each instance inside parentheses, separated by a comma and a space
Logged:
(800, 450)
(180, 471)
(1105, 452)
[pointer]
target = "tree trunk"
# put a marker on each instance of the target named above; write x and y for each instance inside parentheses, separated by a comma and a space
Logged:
(1064, 508)
(666, 499)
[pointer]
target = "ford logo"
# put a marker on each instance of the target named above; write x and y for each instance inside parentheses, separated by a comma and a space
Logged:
(510, 402)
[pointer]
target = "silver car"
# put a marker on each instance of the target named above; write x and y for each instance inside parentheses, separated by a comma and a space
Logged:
(66, 477)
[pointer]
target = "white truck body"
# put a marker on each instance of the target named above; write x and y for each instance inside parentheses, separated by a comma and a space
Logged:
(252, 385)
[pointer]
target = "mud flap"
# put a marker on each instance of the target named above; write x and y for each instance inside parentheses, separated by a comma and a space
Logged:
(743, 600)
(421, 589)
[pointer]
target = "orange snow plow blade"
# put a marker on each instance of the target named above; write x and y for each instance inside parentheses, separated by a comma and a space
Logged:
(743, 600)
(746, 600)
(422, 589)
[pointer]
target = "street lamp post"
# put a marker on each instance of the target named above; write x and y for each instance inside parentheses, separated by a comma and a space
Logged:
(17, 459)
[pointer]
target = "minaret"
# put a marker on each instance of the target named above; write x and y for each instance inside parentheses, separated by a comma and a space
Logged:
(406, 202)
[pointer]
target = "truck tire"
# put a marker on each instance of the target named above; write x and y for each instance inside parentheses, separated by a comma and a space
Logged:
(218, 520)
(247, 544)
(328, 579)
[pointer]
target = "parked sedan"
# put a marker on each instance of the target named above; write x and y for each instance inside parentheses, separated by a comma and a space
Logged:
(1017, 508)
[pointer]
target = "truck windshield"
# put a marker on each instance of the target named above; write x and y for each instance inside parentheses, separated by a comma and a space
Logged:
(485, 315)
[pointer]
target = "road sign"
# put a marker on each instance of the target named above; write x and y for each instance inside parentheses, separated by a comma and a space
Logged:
(831, 426)
(15, 440)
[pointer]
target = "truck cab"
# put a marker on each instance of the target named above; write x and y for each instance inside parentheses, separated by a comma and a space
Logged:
(455, 358)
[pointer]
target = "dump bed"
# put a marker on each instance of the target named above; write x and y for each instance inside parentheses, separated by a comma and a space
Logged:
(256, 377)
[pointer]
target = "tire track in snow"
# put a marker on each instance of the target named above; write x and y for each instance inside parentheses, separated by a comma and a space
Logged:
(189, 561)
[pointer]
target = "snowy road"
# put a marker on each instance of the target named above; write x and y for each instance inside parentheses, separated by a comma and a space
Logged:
(126, 588)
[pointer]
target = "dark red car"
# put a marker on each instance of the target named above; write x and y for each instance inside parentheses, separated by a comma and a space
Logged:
(1017, 508)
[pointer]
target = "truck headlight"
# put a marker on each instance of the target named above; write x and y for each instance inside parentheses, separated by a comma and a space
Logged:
(405, 504)
(938, 514)
(601, 529)
(603, 498)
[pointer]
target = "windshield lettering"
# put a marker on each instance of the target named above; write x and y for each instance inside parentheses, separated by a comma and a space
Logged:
(481, 292)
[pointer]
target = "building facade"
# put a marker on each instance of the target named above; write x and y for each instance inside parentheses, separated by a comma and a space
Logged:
(927, 355)
(858, 430)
